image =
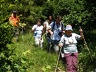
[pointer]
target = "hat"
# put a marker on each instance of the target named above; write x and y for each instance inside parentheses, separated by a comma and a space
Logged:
(69, 27)
(14, 12)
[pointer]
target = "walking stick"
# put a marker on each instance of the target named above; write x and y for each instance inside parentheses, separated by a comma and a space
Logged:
(85, 43)
(58, 60)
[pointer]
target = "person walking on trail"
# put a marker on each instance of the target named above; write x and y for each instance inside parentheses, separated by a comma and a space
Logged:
(14, 21)
(37, 29)
(46, 26)
(56, 31)
(68, 42)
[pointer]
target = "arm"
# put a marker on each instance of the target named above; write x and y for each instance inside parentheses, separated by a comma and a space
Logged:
(44, 28)
(61, 42)
(81, 33)
(50, 28)
(34, 28)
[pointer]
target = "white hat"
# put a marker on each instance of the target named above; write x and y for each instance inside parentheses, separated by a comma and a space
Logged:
(69, 27)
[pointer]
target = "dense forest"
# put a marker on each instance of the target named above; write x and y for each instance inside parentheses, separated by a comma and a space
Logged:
(75, 12)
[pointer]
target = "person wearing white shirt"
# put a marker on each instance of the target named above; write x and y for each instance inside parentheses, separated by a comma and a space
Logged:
(46, 27)
(37, 29)
(69, 44)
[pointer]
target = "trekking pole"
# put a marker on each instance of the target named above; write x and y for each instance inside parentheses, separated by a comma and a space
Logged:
(58, 60)
(85, 43)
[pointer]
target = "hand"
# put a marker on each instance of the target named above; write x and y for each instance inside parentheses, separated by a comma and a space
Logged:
(60, 44)
(51, 33)
(80, 30)
(40, 38)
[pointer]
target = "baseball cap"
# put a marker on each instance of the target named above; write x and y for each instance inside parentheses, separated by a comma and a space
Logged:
(14, 12)
(69, 27)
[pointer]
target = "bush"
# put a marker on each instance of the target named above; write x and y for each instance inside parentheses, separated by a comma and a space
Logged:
(5, 34)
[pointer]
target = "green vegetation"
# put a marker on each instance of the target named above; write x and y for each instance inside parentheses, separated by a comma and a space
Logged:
(28, 58)
(23, 56)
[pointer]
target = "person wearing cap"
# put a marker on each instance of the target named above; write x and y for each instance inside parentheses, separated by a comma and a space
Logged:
(68, 42)
(14, 20)
(56, 30)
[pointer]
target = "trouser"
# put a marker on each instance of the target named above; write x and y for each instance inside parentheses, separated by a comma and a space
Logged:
(55, 45)
(15, 32)
(49, 42)
(39, 41)
(71, 62)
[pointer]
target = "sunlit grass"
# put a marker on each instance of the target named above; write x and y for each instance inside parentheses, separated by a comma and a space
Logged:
(32, 58)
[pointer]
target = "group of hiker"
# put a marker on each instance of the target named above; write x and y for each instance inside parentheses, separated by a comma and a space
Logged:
(58, 36)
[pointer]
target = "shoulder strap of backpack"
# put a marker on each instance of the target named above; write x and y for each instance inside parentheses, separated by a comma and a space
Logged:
(53, 25)
(62, 26)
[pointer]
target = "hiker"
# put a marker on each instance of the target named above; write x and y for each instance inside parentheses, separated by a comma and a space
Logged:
(56, 31)
(37, 29)
(46, 26)
(69, 42)
(14, 21)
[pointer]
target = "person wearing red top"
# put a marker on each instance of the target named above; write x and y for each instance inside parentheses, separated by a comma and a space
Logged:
(14, 19)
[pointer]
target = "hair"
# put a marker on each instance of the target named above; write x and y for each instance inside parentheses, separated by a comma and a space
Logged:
(59, 17)
(39, 20)
(14, 12)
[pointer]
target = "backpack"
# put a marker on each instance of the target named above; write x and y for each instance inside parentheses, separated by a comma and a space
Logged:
(61, 26)
(60, 33)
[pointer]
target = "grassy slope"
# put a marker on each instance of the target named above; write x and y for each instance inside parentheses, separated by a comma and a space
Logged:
(31, 58)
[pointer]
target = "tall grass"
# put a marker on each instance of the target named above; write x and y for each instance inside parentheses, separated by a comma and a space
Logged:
(31, 58)
(27, 57)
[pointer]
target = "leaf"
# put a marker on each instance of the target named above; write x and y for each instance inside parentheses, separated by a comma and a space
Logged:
(48, 67)
(44, 69)
(23, 61)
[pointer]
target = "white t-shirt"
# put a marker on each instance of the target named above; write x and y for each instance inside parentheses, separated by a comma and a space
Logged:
(70, 43)
(47, 25)
(38, 30)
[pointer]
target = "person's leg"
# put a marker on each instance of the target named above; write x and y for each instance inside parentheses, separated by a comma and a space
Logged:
(56, 47)
(17, 33)
(41, 43)
(49, 43)
(68, 58)
(36, 41)
(74, 61)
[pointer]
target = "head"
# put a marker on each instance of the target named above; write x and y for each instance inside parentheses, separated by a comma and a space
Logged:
(68, 30)
(14, 13)
(58, 19)
(50, 17)
(38, 22)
